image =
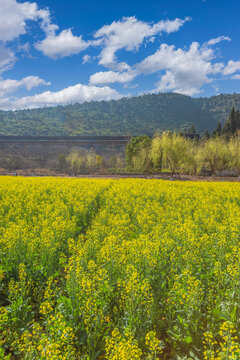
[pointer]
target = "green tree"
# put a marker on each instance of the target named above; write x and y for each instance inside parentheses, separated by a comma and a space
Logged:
(238, 120)
(76, 161)
(120, 162)
(61, 163)
(134, 148)
(234, 148)
(215, 155)
(192, 129)
(192, 163)
(218, 130)
(91, 160)
(142, 161)
(230, 126)
(157, 152)
(99, 162)
(206, 135)
(113, 161)
(175, 150)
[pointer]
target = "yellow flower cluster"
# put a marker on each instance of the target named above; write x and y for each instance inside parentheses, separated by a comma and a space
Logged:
(228, 346)
(122, 347)
(56, 344)
(119, 269)
(153, 344)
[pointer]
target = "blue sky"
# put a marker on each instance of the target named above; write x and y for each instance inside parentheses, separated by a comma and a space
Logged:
(60, 52)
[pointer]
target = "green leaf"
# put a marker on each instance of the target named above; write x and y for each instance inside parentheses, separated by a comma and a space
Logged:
(188, 339)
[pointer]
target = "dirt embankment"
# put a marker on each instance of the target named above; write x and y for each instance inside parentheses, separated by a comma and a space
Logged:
(162, 176)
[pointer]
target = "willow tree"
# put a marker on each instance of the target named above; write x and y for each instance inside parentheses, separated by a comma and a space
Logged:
(192, 163)
(174, 149)
(234, 148)
(142, 160)
(156, 152)
(76, 161)
(215, 155)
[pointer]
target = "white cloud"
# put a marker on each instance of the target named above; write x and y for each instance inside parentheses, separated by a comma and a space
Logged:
(14, 17)
(181, 70)
(186, 71)
(108, 77)
(128, 34)
(178, 83)
(231, 67)
(128, 86)
(218, 40)
(9, 86)
(24, 48)
(168, 57)
(86, 59)
(73, 94)
(236, 77)
(168, 26)
(13, 23)
(61, 45)
(7, 59)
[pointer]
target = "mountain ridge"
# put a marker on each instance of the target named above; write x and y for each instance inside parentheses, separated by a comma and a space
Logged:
(145, 114)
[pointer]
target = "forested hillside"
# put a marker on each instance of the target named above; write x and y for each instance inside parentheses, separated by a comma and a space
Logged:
(128, 116)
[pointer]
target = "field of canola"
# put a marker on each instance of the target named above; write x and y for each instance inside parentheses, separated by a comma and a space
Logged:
(119, 269)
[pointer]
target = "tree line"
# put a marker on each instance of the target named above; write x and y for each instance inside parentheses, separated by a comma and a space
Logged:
(82, 161)
(173, 152)
(176, 152)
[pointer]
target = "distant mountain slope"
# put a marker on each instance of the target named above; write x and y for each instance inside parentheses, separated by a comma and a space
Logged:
(128, 116)
(219, 106)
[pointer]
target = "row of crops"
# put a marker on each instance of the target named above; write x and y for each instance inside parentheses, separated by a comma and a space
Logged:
(119, 269)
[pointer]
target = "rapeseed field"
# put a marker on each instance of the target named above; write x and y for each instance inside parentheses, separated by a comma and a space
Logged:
(119, 269)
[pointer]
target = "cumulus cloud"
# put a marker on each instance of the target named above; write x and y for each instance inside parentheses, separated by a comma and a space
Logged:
(231, 67)
(183, 70)
(13, 23)
(14, 17)
(108, 77)
(61, 45)
(178, 83)
(9, 86)
(73, 94)
(186, 71)
(129, 34)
